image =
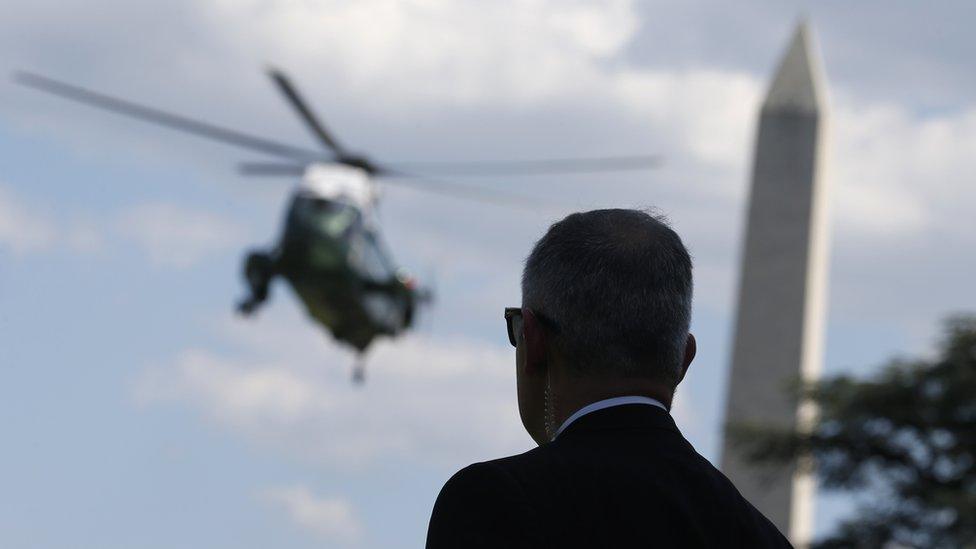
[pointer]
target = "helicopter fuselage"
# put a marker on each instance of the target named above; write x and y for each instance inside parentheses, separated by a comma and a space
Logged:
(331, 254)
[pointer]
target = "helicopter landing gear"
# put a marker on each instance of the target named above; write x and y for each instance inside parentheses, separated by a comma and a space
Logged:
(258, 272)
(359, 369)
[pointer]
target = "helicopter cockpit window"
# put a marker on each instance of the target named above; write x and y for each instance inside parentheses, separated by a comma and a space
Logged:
(334, 218)
(368, 256)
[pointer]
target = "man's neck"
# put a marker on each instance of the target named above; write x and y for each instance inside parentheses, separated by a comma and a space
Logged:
(604, 404)
(575, 393)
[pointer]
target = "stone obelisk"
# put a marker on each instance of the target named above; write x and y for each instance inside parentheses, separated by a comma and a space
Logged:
(782, 287)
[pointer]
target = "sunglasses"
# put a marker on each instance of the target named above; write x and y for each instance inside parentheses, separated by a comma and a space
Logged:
(513, 321)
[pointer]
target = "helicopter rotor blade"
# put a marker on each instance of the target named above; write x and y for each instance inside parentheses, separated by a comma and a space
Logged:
(306, 114)
(156, 116)
(533, 167)
(270, 169)
(463, 191)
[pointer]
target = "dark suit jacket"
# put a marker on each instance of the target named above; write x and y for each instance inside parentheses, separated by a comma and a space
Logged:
(618, 477)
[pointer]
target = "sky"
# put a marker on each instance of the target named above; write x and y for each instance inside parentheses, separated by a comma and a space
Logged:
(140, 411)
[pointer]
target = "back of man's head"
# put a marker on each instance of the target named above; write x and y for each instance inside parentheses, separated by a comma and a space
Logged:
(616, 285)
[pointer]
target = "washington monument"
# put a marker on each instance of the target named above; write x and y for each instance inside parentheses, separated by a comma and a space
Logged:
(782, 285)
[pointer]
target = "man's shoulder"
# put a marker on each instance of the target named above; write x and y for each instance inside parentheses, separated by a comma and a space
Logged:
(500, 502)
(481, 506)
(611, 450)
(499, 478)
(479, 477)
(658, 475)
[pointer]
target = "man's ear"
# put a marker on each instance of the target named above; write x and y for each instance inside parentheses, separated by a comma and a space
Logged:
(536, 342)
(691, 348)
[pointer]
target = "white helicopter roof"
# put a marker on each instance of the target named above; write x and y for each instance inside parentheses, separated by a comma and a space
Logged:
(339, 182)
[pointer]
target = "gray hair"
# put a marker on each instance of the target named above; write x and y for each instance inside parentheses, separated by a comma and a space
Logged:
(616, 286)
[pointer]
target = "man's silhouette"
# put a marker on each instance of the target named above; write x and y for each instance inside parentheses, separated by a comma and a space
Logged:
(601, 343)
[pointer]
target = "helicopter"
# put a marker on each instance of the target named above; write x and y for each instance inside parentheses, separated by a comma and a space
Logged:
(330, 249)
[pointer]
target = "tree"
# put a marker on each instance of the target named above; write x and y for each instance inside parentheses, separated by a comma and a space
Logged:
(904, 439)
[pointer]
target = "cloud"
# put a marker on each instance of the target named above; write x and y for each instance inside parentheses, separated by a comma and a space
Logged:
(23, 228)
(426, 401)
(330, 518)
(899, 175)
(464, 51)
(710, 113)
(394, 64)
(28, 228)
(399, 65)
(175, 236)
(171, 235)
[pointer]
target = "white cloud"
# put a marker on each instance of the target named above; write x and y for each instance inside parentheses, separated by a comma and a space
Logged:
(330, 518)
(425, 401)
(437, 402)
(899, 175)
(464, 51)
(23, 228)
(170, 235)
(176, 236)
(410, 59)
(710, 113)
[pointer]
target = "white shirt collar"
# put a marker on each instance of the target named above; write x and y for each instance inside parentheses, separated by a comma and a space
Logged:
(607, 403)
